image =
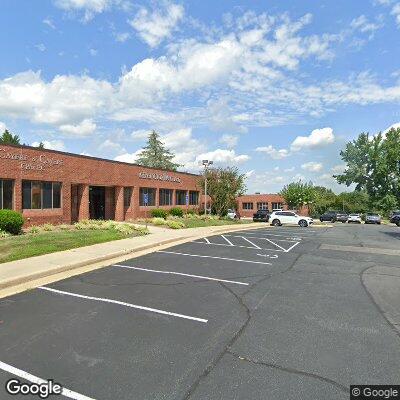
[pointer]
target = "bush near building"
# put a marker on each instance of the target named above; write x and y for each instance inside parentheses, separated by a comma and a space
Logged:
(176, 212)
(159, 213)
(11, 221)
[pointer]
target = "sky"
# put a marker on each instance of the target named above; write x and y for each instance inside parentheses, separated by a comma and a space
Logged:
(273, 87)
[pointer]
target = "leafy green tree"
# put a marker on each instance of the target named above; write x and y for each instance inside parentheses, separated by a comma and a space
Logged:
(298, 194)
(156, 155)
(8, 138)
(373, 165)
(224, 185)
(386, 204)
(357, 201)
(41, 146)
(324, 200)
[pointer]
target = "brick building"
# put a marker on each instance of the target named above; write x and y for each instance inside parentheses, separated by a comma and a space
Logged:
(57, 187)
(250, 203)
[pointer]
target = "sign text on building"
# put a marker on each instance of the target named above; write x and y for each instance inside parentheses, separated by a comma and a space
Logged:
(159, 177)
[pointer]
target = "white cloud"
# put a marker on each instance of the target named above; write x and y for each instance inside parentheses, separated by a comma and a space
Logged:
(223, 157)
(273, 153)
(41, 47)
(90, 7)
(93, 52)
(122, 36)
(49, 22)
(338, 169)
(140, 134)
(394, 126)
(362, 24)
(129, 157)
(2, 127)
(83, 129)
(312, 166)
(396, 12)
(51, 144)
(317, 138)
(229, 140)
(111, 146)
(154, 26)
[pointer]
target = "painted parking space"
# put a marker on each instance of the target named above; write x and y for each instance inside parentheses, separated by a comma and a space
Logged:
(151, 326)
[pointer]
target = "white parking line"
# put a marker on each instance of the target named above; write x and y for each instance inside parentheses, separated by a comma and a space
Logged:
(34, 379)
(206, 239)
(230, 243)
(249, 241)
(121, 303)
(264, 238)
(208, 278)
(218, 258)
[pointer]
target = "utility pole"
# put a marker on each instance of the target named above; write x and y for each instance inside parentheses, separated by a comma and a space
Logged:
(206, 164)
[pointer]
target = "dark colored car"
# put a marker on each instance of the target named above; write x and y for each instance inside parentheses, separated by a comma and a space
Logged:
(333, 216)
(261, 216)
(395, 218)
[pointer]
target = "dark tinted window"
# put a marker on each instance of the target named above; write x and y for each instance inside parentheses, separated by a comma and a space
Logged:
(151, 196)
(165, 197)
(6, 194)
(47, 194)
(56, 195)
(127, 196)
(193, 198)
(180, 197)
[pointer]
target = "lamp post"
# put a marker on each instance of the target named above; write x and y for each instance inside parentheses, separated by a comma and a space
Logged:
(206, 164)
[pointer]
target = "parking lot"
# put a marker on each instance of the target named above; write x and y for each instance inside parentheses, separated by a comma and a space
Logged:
(274, 313)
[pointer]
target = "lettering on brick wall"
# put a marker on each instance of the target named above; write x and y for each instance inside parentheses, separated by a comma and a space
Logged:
(159, 177)
(36, 163)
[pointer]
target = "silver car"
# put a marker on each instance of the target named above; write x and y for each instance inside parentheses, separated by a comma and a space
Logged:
(372, 218)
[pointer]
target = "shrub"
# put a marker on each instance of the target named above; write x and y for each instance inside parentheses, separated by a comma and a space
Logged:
(158, 221)
(48, 227)
(176, 212)
(11, 221)
(175, 224)
(158, 213)
(33, 229)
(4, 234)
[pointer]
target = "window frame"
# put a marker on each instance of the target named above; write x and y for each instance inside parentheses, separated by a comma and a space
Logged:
(246, 204)
(178, 191)
(41, 200)
(148, 189)
(128, 190)
(278, 204)
(261, 204)
(164, 194)
(195, 193)
(2, 193)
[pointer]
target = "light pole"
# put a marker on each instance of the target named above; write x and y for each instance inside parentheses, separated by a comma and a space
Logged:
(206, 164)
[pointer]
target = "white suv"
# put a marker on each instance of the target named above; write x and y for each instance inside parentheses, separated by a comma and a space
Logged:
(279, 218)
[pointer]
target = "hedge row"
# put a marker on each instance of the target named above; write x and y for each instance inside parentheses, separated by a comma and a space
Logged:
(176, 212)
(11, 221)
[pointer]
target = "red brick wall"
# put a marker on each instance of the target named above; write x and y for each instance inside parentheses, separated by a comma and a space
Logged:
(26, 163)
(258, 198)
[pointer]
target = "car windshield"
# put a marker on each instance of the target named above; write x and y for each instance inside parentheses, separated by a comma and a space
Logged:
(372, 215)
(354, 215)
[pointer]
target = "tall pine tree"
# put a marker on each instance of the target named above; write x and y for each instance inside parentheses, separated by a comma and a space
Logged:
(156, 155)
(9, 138)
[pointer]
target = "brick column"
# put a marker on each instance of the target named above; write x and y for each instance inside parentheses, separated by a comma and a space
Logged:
(84, 202)
(157, 197)
(135, 209)
(18, 195)
(119, 203)
(66, 202)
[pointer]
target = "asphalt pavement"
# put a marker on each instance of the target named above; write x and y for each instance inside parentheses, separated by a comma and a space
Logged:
(263, 314)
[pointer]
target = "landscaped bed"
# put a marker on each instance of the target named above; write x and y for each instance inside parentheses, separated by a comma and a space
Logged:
(46, 239)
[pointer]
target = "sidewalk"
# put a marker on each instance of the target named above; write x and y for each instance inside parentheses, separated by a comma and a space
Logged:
(21, 275)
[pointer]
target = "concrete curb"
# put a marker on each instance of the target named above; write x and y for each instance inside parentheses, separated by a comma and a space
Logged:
(7, 285)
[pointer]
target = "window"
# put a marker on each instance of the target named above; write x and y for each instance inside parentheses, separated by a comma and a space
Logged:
(38, 195)
(151, 196)
(165, 197)
(180, 197)
(6, 194)
(193, 198)
(262, 206)
(277, 206)
(247, 206)
(127, 196)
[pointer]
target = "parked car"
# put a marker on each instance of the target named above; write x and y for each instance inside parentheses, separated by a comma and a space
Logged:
(279, 218)
(373, 218)
(330, 216)
(233, 214)
(261, 216)
(354, 218)
(395, 218)
(342, 217)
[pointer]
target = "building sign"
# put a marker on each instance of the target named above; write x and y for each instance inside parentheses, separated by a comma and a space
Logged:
(159, 177)
(36, 163)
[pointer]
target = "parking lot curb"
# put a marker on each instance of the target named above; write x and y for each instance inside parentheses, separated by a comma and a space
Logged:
(55, 273)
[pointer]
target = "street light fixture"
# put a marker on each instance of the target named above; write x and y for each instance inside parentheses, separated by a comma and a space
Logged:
(206, 164)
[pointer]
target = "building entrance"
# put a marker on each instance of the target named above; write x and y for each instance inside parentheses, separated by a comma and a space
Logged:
(97, 202)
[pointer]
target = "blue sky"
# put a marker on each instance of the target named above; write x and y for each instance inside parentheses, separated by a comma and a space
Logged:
(274, 87)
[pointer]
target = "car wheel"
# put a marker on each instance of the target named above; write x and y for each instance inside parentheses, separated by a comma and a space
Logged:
(343, 222)
(333, 220)
(276, 222)
(321, 219)
(398, 223)
(303, 223)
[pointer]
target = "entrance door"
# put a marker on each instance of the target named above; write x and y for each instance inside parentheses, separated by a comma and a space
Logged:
(97, 202)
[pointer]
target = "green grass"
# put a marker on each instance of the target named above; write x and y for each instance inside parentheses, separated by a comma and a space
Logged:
(30, 245)
(196, 223)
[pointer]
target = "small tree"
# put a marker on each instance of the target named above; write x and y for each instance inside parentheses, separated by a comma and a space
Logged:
(8, 138)
(298, 194)
(324, 199)
(224, 186)
(41, 145)
(156, 155)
